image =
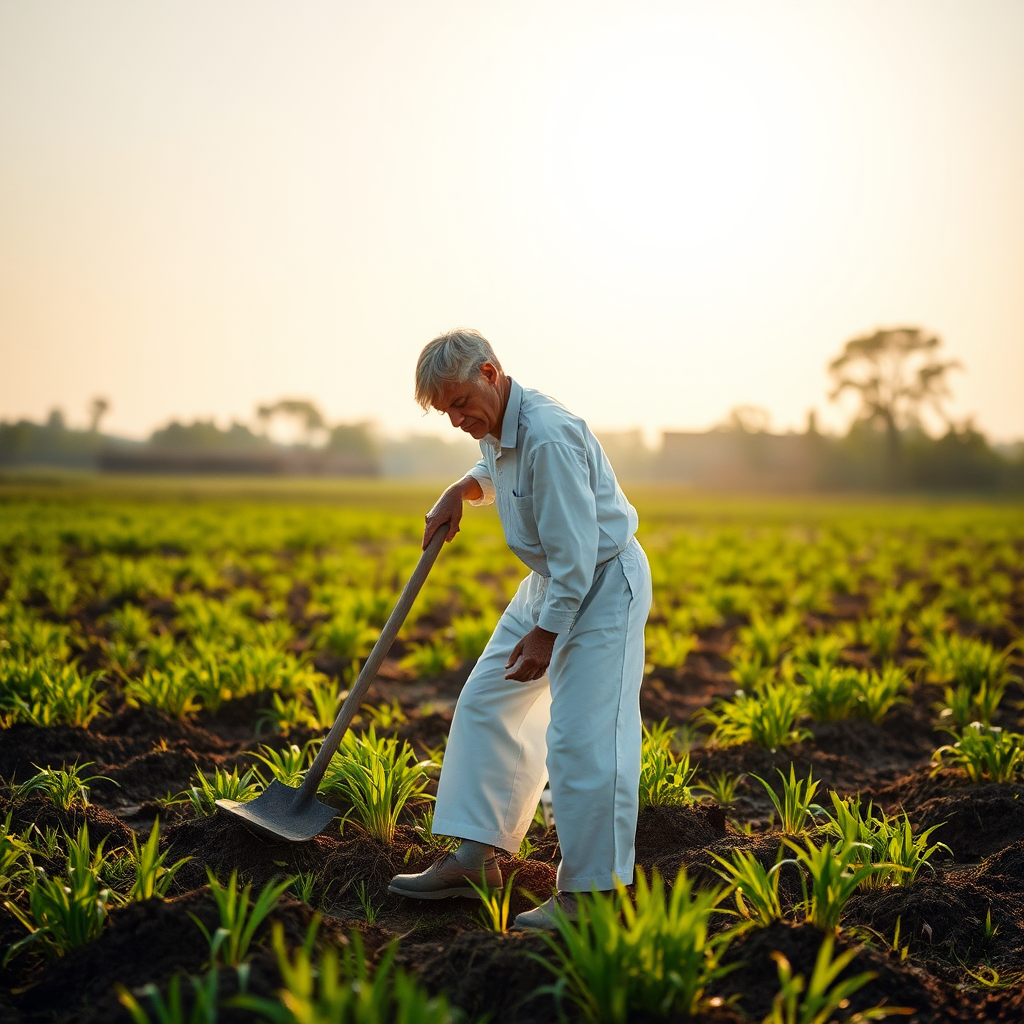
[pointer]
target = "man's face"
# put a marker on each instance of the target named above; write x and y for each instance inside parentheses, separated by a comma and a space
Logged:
(474, 406)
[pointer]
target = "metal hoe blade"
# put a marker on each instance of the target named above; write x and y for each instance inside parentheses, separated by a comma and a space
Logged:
(280, 813)
(284, 812)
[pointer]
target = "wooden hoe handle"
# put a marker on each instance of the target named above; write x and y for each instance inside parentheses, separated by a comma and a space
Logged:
(371, 666)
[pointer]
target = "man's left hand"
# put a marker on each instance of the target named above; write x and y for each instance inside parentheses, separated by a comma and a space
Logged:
(531, 656)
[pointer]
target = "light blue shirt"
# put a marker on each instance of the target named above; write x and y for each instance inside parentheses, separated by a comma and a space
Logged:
(560, 505)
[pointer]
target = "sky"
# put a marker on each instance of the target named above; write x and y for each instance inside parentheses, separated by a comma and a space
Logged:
(654, 211)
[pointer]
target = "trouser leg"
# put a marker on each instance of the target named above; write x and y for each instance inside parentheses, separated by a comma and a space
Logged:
(593, 740)
(494, 764)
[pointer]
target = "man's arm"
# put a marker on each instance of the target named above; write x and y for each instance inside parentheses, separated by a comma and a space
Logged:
(566, 514)
(448, 508)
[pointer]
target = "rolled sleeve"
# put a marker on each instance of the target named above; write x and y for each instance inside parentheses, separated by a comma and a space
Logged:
(566, 513)
(482, 475)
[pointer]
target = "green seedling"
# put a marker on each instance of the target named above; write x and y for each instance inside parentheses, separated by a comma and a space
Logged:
(153, 877)
(239, 917)
(835, 872)
(800, 1001)
(756, 888)
(377, 777)
(879, 839)
(653, 954)
(222, 785)
(289, 764)
(985, 753)
(495, 903)
(722, 787)
(174, 1009)
(767, 719)
(794, 809)
(65, 913)
(342, 987)
(65, 786)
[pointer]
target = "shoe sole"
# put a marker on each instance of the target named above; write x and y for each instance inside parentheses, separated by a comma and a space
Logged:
(437, 894)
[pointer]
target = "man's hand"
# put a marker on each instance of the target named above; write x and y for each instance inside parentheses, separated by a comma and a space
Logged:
(448, 508)
(533, 655)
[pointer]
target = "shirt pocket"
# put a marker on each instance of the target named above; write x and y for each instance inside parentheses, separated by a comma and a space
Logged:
(524, 523)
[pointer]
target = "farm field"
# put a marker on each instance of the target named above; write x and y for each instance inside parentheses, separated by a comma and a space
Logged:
(833, 763)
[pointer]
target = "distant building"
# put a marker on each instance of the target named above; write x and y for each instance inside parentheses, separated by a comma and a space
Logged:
(263, 462)
(738, 460)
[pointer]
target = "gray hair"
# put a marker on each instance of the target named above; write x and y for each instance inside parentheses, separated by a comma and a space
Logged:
(451, 357)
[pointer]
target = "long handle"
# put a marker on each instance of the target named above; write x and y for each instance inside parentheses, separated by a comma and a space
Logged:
(370, 668)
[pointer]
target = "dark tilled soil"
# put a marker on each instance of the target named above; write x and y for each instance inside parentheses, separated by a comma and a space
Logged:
(967, 915)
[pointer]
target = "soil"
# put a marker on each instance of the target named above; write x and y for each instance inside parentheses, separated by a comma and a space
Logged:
(960, 924)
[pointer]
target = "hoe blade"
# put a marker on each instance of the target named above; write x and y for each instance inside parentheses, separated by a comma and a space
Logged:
(279, 813)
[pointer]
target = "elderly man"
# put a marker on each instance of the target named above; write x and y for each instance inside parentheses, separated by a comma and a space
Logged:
(555, 694)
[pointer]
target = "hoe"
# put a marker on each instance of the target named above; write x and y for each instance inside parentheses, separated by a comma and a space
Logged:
(284, 812)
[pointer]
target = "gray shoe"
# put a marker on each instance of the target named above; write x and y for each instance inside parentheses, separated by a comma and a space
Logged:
(446, 878)
(545, 916)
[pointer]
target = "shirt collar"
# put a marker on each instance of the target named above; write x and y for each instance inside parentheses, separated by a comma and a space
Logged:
(510, 421)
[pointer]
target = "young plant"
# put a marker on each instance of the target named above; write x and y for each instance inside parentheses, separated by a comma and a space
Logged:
(65, 913)
(794, 810)
(431, 841)
(222, 785)
(651, 955)
(342, 987)
(879, 839)
(800, 1001)
(985, 753)
(495, 903)
(152, 876)
(470, 634)
(835, 872)
(64, 786)
(370, 909)
(430, 659)
(767, 719)
(171, 690)
(15, 857)
(203, 1010)
(830, 692)
(289, 764)
(377, 777)
(881, 636)
(52, 694)
(756, 889)
(667, 648)
(386, 717)
(665, 778)
(239, 917)
(721, 787)
(878, 692)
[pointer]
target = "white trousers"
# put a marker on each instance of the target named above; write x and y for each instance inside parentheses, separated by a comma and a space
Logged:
(578, 726)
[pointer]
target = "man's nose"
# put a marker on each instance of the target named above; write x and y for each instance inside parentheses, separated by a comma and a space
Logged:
(456, 417)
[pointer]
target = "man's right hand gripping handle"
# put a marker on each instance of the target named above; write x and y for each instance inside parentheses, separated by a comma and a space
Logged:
(448, 508)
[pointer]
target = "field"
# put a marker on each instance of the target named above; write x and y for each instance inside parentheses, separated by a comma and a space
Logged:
(832, 817)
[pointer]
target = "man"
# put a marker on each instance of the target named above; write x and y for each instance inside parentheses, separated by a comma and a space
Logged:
(555, 694)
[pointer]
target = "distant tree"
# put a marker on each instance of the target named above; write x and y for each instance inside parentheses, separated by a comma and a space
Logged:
(895, 371)
(301, 409)
(55, 421)
(98, 408)
(748, 419)
(352, 439)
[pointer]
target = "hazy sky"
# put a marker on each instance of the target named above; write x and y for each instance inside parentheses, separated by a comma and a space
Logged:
(655, 211)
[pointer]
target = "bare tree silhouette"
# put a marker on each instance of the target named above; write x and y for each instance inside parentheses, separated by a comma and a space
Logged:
(302, 409)
(98, 408)
(895, 371)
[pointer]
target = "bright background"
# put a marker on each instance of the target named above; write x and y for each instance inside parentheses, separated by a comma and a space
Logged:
(655, 211)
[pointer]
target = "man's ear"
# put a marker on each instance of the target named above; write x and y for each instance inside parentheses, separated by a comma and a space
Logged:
(489, 371)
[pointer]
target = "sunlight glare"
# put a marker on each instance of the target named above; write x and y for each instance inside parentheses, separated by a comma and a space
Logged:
(675, 148)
